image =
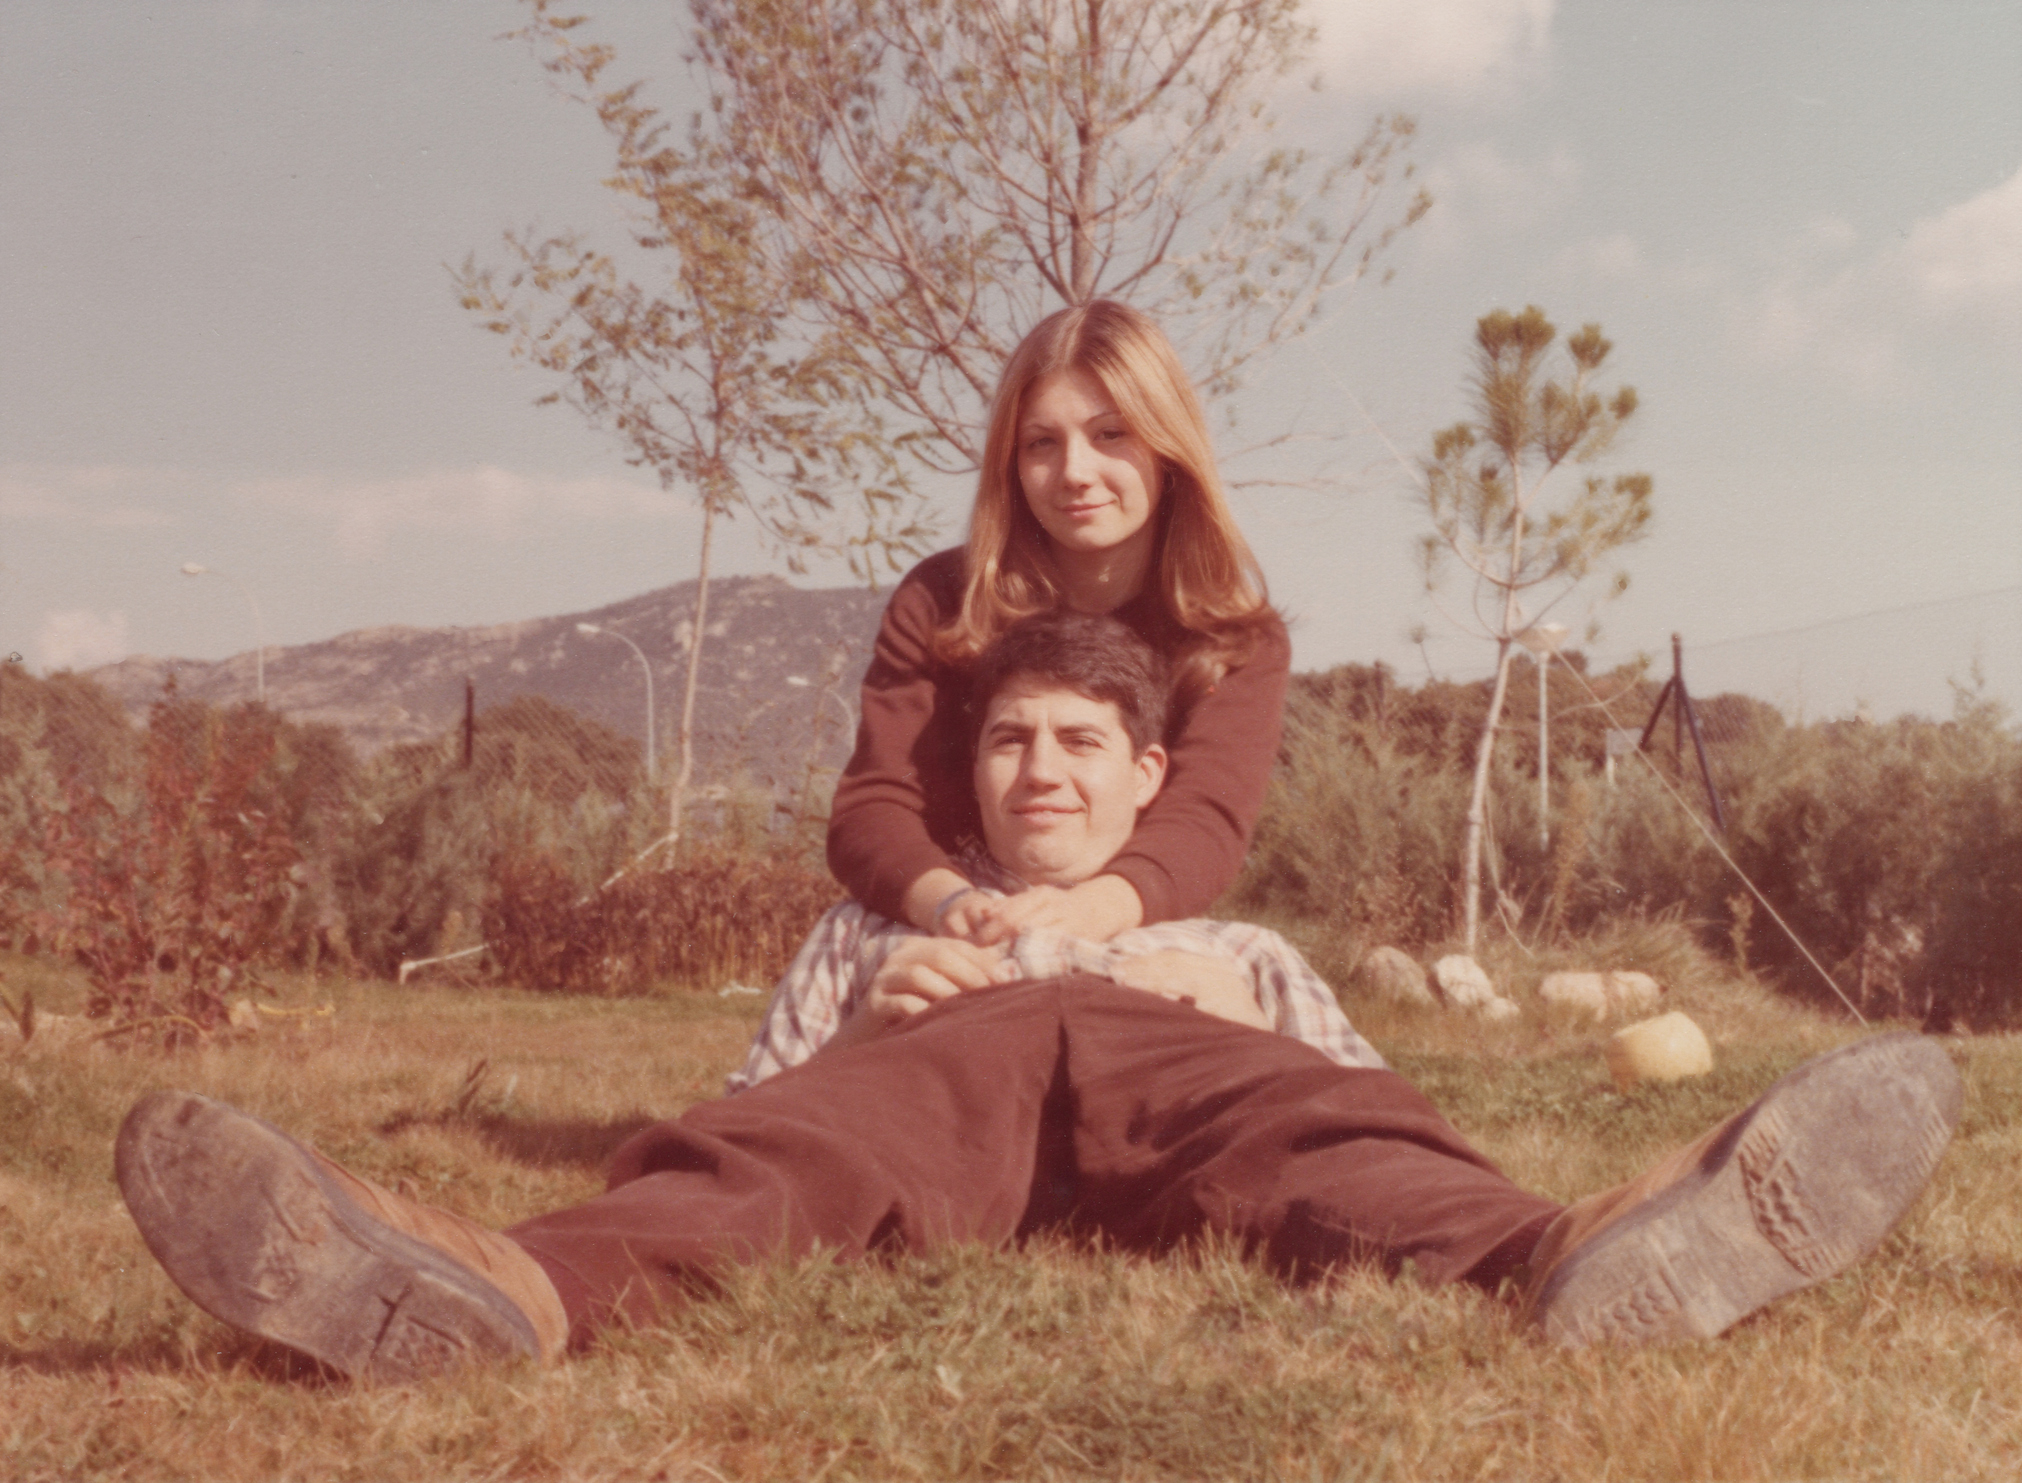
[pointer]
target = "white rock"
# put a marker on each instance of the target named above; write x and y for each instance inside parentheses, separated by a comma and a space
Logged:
(1667, 1048)
(1394, 974)
(1464, 985)
(1633, 993)
(1602, 994)
(1585, 991)
(1462, 981)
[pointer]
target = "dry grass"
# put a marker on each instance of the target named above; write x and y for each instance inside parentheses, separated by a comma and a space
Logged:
(1057, 1363)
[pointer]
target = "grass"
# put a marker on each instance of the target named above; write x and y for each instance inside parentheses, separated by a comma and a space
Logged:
(1058, 1362)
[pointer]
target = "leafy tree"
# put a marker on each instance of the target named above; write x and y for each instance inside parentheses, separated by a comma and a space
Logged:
(927, 179)
(688, 375)
(880, 198)
(1521, 550)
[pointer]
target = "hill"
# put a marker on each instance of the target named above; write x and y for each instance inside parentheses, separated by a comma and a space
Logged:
(383, 686)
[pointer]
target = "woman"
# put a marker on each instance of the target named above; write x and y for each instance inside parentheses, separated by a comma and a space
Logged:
(1099, 493)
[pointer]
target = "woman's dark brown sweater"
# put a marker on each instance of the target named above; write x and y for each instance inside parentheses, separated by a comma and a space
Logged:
(906, 803)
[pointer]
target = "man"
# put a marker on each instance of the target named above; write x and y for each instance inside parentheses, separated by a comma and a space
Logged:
(908, 1090)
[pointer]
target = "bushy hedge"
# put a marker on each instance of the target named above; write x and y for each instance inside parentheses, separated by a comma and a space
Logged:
(713, 916)
(178, 860)
(1892, 851)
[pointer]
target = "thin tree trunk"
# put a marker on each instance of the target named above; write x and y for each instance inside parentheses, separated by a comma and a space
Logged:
(1477, 802)
(679, 794)
(1484, 752)
(1088, 162)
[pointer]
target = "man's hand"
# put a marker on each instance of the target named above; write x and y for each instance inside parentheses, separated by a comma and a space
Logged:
(1094, 911)
(922, 972)
(1210, 984)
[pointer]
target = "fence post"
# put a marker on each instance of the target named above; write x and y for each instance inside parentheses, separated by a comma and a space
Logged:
(469, 720)
(1684, 716)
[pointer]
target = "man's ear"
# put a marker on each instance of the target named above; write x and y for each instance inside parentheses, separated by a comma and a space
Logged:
(1151, 766)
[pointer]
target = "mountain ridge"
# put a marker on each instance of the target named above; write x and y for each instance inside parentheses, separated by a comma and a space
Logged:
(781, 667)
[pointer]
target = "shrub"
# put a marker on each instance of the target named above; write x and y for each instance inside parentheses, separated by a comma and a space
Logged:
(415, 868)
(714, 916)
(169, 904)
(1972, 974)
(58, 737)
(1894, 851)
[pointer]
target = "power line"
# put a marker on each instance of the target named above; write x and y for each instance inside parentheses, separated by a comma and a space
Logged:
(1910, 607)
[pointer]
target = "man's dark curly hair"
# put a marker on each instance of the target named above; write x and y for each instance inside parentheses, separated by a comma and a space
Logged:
(1091, 654)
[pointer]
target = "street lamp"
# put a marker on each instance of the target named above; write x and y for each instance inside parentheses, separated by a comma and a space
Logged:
(801, 682)
(191, 569)
(1543, 640)
(591, 630)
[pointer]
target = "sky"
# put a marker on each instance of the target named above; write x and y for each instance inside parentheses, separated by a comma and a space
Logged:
(229, 337)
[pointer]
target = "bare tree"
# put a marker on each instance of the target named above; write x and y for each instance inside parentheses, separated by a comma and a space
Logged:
(932, 177)
(1484, 489)
(688, 376)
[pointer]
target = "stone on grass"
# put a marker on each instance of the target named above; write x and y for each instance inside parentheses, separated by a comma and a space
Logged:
(1668, 1048)
(1632, 992)
(1602, 994)
(1463, 984)
(1394, 975)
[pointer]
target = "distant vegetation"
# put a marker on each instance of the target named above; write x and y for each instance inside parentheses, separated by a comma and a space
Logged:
(178, 861)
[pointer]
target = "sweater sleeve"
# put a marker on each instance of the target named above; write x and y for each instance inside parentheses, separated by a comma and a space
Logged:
(898, 811)
(1190, 842)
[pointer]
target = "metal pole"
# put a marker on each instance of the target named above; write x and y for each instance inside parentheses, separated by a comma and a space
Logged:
(652, 755)
(192, 569)
(1543, 640)
(1544, 763)
(1678, 700)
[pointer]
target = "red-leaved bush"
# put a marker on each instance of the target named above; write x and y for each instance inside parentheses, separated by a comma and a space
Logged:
(171, 902)
(714, 916)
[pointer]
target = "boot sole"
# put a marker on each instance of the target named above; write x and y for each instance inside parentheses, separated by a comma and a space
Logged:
(1808, 1181)
(242, 1218)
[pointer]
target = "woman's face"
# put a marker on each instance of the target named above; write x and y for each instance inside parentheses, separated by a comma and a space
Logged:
(1092, 483)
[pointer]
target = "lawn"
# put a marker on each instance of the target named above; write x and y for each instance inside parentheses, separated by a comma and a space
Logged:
(1048, 1363)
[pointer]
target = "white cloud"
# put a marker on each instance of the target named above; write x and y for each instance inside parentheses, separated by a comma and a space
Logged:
(1386, 48)
(79, 638)
(1968, 260)
(1868, 315)
(495, 503)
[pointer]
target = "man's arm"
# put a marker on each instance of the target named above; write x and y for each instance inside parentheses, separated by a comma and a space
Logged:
(1282, 989)
(1211, 984)
(811, 999)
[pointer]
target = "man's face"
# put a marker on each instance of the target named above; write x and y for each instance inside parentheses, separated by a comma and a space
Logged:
(1056, 782)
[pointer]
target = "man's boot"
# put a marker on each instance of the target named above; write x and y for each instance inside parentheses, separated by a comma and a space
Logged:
(277, 1240)
(1793, 1190)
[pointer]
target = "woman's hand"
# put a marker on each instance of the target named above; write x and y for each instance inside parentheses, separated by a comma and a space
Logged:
(1212, 985)
(921, 972)
(1094, 911)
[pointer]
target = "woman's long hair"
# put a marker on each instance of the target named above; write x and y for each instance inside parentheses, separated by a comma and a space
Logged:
(1206, 578)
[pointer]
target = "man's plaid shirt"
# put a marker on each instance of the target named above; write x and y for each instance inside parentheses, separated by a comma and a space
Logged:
(849, 945)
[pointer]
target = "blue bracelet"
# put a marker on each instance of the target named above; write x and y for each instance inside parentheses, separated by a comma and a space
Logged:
(947, 901)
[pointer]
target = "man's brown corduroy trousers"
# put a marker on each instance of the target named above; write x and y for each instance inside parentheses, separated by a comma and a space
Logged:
(1069, 1100)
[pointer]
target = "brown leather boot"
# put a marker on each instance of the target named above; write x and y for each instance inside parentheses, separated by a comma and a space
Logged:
(1795, 1189)
(277, 1240)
